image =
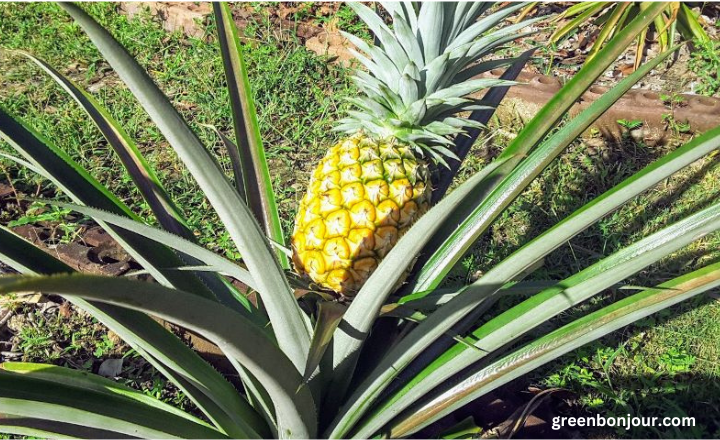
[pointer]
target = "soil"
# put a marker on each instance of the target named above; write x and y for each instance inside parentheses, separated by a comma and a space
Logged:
(315, 26)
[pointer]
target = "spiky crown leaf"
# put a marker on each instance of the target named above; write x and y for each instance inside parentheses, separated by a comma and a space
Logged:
(423, 68)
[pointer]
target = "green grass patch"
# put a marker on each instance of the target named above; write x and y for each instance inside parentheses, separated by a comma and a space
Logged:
(705, 63)
(665, 365)
(298, 95)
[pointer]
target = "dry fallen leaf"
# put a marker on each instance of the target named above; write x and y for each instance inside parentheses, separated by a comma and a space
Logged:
(22, 297)
(333, 45)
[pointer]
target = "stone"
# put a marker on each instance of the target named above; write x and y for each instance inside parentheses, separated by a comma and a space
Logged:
(97, 236)
(110, 368)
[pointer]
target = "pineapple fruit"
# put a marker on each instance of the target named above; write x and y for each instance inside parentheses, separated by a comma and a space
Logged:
(374, 183)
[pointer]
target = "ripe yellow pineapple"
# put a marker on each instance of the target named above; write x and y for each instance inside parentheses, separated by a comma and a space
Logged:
(362, 197)
(372, 185)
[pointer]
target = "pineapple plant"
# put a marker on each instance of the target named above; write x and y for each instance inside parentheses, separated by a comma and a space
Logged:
(374, 183)
(302, 362)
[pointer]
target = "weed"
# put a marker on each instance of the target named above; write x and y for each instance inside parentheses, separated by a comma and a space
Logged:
(705, 63)
(38, 213)
(37, 341)
(674, 126)
(103, 346)
(74, 340)
(630, 124)
(672, 99)
(348, 21)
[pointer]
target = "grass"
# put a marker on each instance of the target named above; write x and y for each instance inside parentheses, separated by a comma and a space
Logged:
(74, 339)
(298, 95)
(669, 362)
(705, 63)
(665, 365)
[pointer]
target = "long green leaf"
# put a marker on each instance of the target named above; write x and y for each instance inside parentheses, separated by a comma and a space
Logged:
(23, 395)
(450, 245)
(426, 303)
(214, 395)
(431, 19)
(25, 164)
(238, 419)
(142, 175)
(364, 309)
(31, 427)
(232, 332)
(440, 322)
(486, 211)
(515, 322)
(171, 240)
(577, 21)
(78, 184)
(574, 10)
(257, 396)
(139, 170)
(329, 316)
(687, 19)
(481, 26)
(464, 141)
(557, 343)
(608, 27)
(235, 160)
(255, 174)
(290, 324)
(83, 380)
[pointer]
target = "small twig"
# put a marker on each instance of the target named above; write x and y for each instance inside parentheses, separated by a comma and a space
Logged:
(521, 414)
(11, 354)
(6, 318)
(12, 187)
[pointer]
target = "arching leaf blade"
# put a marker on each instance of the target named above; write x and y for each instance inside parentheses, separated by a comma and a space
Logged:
(22, 395)
(127, 151)
(80, 186)
(473, 219)
(235, 334)
(162, 349)
(32, 427)
(557, 343)
(169, 239)
(249, 147)
(464, 141)
(290, 324)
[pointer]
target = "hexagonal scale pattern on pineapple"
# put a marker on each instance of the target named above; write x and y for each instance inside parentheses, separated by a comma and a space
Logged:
(362, 197)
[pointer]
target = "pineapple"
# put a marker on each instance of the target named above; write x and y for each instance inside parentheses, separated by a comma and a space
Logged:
(374, 183)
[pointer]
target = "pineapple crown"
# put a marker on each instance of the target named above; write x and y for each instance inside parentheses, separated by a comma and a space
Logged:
(421, 70)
